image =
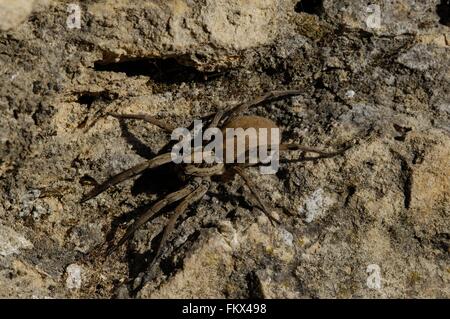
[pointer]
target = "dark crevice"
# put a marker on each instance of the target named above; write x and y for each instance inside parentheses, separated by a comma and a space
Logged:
(118, 222)
(310, 6)
(417, 157)
(86, 99)
(139, 262)
(254, 286)
(89, 98)
(402, 131)
(442, 242)
(443, 11)
(407, 182)
(351, 190)
(160, 70)
(169, 266)
(319, 84)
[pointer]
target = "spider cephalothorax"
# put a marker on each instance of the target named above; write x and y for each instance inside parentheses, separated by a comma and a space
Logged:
(197, 176)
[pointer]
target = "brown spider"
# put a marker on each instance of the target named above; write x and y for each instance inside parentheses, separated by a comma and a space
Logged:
(197, 177)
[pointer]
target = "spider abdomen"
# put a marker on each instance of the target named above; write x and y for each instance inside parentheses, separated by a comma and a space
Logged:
(258, 139)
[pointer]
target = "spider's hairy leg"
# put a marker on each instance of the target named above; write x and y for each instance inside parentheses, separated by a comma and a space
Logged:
(298, 147)
(217, 118)
(190, 199)
(216, 169)
(167, 200)
(261, 99)
(251, 185)
(135, 170)
(147, 118)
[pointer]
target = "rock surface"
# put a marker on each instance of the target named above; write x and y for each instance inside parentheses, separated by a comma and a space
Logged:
(373, 222)
(13, 13)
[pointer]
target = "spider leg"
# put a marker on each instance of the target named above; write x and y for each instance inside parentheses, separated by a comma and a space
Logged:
(135, 170)
(193, 197)
(261, 99)
(193, 170)
(147, 118)
(252, 188)
(298, 147)
(167, 200)
(217, 118)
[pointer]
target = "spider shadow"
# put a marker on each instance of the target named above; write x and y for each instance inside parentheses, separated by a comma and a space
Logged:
(144, 184)
(137, 146)
(157, 181)
(141, 263)
(224, 196)
(138, 263)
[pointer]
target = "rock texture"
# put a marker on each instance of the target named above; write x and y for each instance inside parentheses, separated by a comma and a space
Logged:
(13, 13)
(373, 222)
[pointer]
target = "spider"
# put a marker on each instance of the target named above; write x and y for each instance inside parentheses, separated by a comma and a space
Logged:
(197, 177)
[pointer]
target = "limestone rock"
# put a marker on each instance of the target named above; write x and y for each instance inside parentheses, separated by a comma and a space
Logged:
(13, 13)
